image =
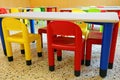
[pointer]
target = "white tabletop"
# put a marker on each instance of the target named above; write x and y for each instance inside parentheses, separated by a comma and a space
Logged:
(110, 17)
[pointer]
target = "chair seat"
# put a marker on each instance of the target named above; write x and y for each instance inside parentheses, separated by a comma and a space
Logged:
(19, 38)
(95, 35)
(42, 30)
(64, 43)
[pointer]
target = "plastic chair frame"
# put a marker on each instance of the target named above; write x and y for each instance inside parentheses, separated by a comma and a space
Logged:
(19, 35)
(56, 32)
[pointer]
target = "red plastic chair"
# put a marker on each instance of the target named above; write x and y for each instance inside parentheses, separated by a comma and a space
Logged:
(95, 37)
(3, 11)
(60, 29)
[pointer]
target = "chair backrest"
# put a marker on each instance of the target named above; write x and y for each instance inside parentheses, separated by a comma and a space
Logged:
(36, 10)
(64, 28)
(39, 9)
(82, 25)
(76, 10)
(3, 11)
(51, 9)
(24, 10)
(14, 10)
(94, 10)
(11, 24)
(42, 9)
(62, 10)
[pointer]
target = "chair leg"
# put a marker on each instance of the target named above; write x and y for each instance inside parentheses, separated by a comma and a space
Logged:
(77, 62)
(9, 51)
(92, 26)
(83, 50)
(88, 53)
(39, 47)
(40, 32)
(27, 53)
(59, 55)
(51, 59)
(41, 40)
(22, 49)
(113, 46)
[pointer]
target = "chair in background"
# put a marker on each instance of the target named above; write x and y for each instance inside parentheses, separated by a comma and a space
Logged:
(94, 37)
(76, 10)
(20, 35)
(65, 10)
(51, 9)
(61, 29)
(36, 9)
(44, 29)
(3, 11)
(14, 10)
(94, 10)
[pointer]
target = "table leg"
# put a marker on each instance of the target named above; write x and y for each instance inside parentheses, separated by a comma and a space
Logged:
(105, 51)
(2, 38)
(113, 45)
(32, 26)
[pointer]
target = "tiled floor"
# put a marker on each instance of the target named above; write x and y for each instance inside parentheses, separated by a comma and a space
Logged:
(18, 70)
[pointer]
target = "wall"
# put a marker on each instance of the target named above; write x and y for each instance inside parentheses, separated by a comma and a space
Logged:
(59, 3)
(74, 3)
(14, 3)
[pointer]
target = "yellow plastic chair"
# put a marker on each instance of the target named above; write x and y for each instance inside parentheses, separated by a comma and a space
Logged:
(20, 35)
